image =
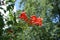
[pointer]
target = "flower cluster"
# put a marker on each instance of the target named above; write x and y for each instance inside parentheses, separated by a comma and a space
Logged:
(33, 19)
(23, 16)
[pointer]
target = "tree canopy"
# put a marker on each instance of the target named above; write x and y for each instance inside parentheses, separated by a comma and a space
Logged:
(16, 25)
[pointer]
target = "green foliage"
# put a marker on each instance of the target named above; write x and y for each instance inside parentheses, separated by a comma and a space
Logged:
(7, 1)
(11, 6)
(23, 31)
(1, 25)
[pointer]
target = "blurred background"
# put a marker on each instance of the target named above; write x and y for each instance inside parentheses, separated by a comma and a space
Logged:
(13, 28)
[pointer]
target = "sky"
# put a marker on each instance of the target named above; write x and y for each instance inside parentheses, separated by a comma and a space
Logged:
(17, 7)
(17, 4)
